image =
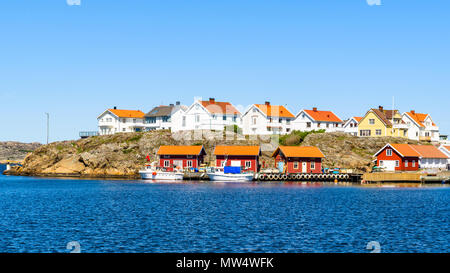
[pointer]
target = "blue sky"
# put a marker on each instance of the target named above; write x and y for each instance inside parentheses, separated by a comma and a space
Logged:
(345, 56)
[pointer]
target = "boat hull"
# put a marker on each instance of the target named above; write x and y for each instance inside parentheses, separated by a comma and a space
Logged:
(222, 177)
(151, 175)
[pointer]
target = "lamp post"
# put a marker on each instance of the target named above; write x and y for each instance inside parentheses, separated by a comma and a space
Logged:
(48, 124)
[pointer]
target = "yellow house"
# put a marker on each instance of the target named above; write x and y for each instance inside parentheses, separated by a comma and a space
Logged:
(380, 122)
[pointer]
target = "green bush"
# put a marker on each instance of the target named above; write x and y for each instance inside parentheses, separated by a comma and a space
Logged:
(296, 138)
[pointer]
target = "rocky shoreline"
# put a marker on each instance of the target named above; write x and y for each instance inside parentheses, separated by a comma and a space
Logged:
(122, 155)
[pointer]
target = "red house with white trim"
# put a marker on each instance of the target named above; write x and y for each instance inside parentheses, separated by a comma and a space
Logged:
(298, 159)
(246, 157)
(398, 157)
(171, 157)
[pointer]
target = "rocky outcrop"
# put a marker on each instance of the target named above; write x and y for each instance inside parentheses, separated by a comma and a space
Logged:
(16, 151)
(123, 154)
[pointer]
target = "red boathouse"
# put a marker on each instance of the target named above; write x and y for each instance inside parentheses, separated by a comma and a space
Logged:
(298, 159)
(171, 157)
(398, 157)
(246, 157)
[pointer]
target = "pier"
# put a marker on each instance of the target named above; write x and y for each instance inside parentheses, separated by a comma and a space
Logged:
(403, 177)
(316, 177)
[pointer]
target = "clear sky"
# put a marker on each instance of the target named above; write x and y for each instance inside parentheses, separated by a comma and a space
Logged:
(74, 61)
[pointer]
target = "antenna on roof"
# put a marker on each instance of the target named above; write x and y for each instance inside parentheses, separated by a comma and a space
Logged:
(393, 113)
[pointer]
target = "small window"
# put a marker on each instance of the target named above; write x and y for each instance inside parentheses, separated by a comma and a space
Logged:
(224, 117)
(413, 163)
(406, 163)
(254, 120)
(295, 165)
(248, 164)
(189, 163)
(372, 121)
(378, 132)
(318, 125)
(288, 121)
(397, 163)
(313, 165)
(184, 122)
(166, 163)
(308, 125)
(389, 152)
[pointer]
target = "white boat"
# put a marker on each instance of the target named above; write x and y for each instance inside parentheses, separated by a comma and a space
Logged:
(217, 174)
(152, 173)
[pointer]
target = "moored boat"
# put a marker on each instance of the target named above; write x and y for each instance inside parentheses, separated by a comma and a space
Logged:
(222, 175)
(153, 173)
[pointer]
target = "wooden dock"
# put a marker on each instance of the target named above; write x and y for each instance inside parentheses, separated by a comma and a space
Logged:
(402, 177)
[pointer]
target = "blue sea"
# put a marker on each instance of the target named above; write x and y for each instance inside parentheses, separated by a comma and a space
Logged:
(44, 215)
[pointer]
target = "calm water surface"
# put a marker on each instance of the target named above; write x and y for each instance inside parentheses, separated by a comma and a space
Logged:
(43, 215)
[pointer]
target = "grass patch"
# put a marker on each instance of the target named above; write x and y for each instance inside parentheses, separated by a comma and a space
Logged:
(296, 138)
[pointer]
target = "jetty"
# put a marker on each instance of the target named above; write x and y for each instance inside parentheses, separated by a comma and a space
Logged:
(403, 177)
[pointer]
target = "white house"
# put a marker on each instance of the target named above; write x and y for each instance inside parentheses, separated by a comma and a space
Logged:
(266, 119)
(209, 115)
(430, 157)
(445, 149)
(308, 120)
(351, 125)
(164, 117)
(117, 120)
(420, 126)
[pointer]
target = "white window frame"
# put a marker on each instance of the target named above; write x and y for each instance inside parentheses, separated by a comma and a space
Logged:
(388, 152)
(295, 165)
(312, 165)
(397, 163)
(248, 163)
(371, 121)
(189, 163)
(166, 163)
(406, 163)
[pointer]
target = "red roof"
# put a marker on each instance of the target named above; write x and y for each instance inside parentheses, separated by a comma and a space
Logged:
(219, 107)
(127, 113)
(411, 150)
(325, 116)
(405, 150)
(275, 110)
(299, 151)
(237, 150)
(428, 151)
(180, 150)
(418, 117)
(358, 119)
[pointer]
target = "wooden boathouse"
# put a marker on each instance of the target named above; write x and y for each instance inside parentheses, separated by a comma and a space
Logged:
(172, 157)
(298, 159)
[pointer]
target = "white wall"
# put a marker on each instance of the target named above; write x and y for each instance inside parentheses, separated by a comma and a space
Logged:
(351, 127)
(433, 163)
(302, 119)
(198, 118)
(109, 123)
(255, 122)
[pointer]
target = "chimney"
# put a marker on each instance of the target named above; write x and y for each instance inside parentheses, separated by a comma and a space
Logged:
(177, 103)
(267, 103)
(315, 109)
(212, 100)
(413, 112)
(115, 107)
(380, 108)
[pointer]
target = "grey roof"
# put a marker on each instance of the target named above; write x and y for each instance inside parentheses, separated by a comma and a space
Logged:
(164, 110)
